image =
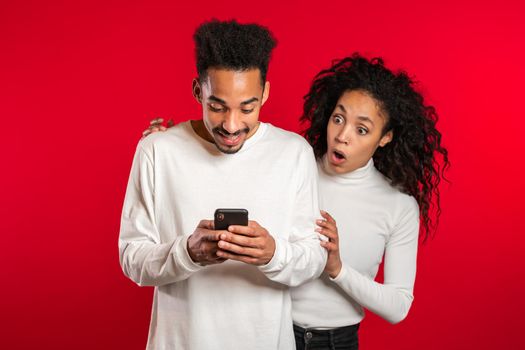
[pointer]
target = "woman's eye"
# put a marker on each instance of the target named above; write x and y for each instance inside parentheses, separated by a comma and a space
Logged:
(338, 119)
(362, 131)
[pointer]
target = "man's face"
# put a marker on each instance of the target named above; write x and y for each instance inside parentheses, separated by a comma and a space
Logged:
(231, 101)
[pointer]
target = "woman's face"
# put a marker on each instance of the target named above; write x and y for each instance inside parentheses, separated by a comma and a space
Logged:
(355, 131)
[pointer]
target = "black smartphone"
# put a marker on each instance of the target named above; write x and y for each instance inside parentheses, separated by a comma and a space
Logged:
(226, 217)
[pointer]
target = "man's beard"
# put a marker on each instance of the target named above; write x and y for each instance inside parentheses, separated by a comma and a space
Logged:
(219, 131)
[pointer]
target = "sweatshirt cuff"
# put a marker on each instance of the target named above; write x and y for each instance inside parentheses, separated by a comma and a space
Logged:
(183, 257)
(341, 276)
(273, 264)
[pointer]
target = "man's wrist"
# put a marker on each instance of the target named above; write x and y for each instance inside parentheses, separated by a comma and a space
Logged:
(190, 253)
(273, 251)
(276, 259)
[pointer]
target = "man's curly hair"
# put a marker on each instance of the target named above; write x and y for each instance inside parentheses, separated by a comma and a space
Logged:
(414, 160)
(230, 45)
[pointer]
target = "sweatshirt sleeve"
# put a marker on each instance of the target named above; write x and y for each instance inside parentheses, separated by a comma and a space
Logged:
(392, 299)
(300, 258)
(143, 258)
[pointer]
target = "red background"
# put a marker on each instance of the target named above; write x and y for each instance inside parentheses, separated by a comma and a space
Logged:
(81, 79)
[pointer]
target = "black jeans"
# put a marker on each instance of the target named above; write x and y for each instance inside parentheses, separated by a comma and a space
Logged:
(330, 339)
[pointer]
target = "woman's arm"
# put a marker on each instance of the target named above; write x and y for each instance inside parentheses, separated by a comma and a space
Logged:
(392, 299)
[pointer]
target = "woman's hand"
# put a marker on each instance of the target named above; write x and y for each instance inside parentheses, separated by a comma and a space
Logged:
(328, 228)
(157, 125)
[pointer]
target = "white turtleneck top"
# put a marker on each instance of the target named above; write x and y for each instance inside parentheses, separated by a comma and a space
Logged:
(374, 220)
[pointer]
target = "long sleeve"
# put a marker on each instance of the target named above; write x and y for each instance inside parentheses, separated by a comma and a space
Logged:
(179, 179)
(143, 258)
(392, 299)
(300, 258)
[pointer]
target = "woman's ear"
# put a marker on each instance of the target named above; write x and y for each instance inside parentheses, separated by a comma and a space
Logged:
(386, 138)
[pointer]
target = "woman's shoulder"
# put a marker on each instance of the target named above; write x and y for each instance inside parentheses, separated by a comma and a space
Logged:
(398, 199)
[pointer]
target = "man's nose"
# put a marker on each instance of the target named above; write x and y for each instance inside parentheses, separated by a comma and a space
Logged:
(232, 122)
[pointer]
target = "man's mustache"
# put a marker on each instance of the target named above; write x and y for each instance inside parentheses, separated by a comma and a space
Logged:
(224, 132)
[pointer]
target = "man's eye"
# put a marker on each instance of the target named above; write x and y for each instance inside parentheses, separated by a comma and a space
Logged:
(216, 108)
(362, 131)
(247, 111)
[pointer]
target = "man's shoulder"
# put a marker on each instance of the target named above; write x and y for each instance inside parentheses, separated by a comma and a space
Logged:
(287, 138)
(175, 135)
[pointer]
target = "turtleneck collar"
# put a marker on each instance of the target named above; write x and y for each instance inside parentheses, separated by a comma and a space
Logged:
(353, 176)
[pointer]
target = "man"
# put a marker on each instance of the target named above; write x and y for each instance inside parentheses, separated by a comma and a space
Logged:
(223, 289)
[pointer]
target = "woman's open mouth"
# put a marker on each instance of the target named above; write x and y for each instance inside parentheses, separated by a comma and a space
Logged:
(337, 157)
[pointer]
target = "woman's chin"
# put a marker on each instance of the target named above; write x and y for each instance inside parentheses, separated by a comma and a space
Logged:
(336, 168)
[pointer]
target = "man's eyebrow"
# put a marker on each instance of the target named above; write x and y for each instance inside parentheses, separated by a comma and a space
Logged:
(216, 99)
(221, 101)
(251, 100)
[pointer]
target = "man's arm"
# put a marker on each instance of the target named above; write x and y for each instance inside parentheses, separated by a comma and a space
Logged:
(143, 257)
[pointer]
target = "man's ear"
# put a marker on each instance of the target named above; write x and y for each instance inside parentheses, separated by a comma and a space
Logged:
(386, 138)
(266, 92)
(196, 90)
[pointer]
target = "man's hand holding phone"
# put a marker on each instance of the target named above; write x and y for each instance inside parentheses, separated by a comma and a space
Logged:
(202, 244)
(250, 244)
(231, 236)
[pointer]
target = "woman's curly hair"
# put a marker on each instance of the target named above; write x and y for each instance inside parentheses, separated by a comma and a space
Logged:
(414, 160)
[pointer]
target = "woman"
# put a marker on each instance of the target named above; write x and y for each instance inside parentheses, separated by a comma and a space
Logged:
(378, 150)
(376, 145)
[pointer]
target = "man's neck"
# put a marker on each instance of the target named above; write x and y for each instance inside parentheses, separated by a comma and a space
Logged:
(200, 129)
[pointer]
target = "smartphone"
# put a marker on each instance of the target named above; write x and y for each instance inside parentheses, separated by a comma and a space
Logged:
(226, 217)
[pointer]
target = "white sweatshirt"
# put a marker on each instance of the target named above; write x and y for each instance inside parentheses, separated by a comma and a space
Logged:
(373, 219)
(178, 179)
